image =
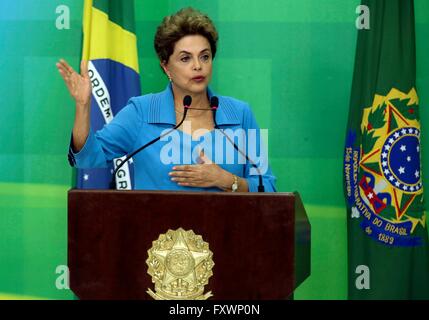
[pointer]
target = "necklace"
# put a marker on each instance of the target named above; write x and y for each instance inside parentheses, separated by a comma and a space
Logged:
(204, 109)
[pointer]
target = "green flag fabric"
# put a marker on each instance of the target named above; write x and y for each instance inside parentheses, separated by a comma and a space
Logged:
(388, 252)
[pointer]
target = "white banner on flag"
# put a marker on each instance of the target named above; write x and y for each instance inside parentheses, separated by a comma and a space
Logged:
(102, 97)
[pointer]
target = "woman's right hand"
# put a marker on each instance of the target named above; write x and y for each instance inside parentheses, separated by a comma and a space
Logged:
(79, 85)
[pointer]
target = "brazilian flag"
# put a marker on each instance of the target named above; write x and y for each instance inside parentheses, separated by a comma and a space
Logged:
(110, 46)
(388, 252)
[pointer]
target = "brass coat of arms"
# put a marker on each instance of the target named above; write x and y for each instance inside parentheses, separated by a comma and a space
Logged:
(180, 264)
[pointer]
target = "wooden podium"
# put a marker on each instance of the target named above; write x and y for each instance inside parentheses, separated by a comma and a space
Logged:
(260, 241)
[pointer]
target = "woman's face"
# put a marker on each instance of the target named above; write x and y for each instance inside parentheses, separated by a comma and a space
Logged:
(190, 65)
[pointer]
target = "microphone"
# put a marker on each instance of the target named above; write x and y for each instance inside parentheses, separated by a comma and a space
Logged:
(187, 101)
(214, 104)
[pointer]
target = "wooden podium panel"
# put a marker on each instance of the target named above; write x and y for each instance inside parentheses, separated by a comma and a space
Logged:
(260, 241)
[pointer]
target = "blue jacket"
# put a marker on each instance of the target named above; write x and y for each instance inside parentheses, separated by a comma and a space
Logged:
(146, 117)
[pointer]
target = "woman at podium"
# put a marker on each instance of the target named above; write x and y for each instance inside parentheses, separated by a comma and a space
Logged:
(218, 146)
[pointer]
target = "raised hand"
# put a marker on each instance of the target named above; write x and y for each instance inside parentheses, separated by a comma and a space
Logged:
(79, 85)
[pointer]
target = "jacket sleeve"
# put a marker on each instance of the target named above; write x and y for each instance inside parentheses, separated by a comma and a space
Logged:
(114, 140)
(258, 153)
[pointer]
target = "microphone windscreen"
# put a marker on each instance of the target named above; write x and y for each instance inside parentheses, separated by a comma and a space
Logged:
(187, 100)
(214, 102)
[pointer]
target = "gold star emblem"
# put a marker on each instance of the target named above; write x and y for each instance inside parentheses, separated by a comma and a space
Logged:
(368, 230)
(180, 261)
(180, 264)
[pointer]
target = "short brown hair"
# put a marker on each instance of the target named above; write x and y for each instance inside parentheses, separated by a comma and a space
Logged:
(187, 21)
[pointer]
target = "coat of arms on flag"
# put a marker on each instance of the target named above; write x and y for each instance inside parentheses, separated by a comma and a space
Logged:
(383, 172)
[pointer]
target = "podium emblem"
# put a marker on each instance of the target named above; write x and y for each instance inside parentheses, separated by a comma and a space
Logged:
(180, 264)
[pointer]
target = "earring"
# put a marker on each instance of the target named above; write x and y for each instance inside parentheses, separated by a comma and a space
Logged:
(169, 78)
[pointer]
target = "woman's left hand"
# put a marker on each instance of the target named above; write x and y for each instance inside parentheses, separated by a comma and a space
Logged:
(204, 175)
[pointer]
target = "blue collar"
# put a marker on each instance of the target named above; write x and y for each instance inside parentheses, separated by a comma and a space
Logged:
(161, 109)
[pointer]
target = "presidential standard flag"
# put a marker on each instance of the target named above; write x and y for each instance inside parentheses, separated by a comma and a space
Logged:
(110, 46)
(388, 253)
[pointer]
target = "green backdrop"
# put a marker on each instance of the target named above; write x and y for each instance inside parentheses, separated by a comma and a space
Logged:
(292, 60)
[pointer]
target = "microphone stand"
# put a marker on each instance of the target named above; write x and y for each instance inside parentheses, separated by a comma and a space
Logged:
(214, 105)
(187, 104)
